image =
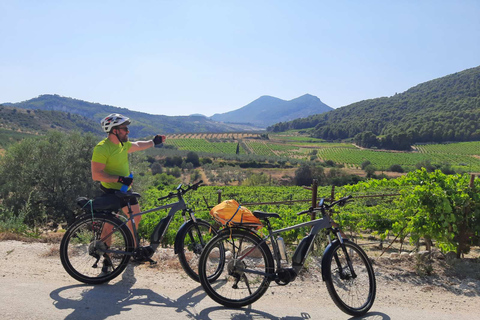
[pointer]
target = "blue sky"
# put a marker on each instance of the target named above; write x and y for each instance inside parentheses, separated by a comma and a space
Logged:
(185, 57)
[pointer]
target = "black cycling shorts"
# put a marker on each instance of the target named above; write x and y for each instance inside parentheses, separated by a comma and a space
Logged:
(123, 203)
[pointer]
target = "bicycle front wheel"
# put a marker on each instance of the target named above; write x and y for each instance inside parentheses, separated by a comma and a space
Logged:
(352, 288)
(247, 272)
(192, 238)
(90, 259)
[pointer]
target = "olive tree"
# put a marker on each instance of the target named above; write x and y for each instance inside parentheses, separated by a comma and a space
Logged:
(41, 177)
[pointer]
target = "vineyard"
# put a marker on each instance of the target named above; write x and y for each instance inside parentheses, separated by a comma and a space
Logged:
(419, 205)
(353, 218)
(462, 156)
(467, 148)
(265, 148)
(382, 160)
(213, 136)
(203, 145)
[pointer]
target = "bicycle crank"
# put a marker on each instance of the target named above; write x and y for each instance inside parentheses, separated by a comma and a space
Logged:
(285, 276)
(142, 254)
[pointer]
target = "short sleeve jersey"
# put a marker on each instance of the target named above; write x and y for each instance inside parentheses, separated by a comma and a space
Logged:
(115, 158)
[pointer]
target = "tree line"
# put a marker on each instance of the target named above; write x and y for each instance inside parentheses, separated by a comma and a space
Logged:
(445, 109)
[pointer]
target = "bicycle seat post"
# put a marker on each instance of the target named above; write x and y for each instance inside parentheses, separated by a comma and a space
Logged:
(269, 226)
(130, 211)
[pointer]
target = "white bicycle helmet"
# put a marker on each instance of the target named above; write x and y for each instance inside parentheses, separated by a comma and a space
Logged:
(113, 120)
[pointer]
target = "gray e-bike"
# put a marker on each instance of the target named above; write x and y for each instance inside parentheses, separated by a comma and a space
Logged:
(98, 245)
(251, 263)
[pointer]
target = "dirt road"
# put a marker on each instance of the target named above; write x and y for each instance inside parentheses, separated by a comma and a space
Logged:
(35, 286)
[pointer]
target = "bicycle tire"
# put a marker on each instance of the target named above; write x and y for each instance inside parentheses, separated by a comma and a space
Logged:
(80, 244)
(354, 296)
(237, 287)
(193, 238)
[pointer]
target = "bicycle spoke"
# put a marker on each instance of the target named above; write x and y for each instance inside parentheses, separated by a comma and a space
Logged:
(85, 257)
(191, 247)
(246, 282)
(243, 280)
(350, 280)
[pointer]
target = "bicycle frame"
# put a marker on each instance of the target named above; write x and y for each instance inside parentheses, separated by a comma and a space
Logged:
(160, 228)
(303, 248)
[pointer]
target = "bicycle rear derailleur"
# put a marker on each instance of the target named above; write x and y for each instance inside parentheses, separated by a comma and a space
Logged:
(142, 254)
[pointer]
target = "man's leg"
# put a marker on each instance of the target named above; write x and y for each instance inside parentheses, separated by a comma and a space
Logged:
(135, 210)
(107, 229)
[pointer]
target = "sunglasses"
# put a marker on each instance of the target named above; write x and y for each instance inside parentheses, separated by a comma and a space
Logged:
(124, 129)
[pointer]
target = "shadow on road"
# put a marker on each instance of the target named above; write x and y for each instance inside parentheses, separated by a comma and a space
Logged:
(372, 316)
(103, 301)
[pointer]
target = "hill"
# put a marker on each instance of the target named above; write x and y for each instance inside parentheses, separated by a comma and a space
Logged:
(35, 121)
(268, 110)
(18, 123)
(145, 124)
(444, 109)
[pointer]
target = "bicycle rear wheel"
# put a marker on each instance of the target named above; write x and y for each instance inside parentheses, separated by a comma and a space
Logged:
(353, 292)
(248, 266)
(84, 256)
(192, 238)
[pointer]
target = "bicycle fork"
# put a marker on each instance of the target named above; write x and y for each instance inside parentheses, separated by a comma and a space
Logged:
(343, 275)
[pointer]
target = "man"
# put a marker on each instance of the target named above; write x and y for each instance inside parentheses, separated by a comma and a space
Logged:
(110, 160)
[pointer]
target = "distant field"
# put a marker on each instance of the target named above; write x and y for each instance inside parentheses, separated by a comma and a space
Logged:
(267, 148)
(213, 136)
(468, 148)
(383, 160)
(460, 155)
(203, 145)
(294, 138)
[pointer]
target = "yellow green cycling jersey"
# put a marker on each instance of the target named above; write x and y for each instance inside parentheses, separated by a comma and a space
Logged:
(115, 158)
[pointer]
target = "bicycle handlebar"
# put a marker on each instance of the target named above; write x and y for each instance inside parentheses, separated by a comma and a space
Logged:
(194, 186)
(310, 210)
(340, 202)
(181, 191)
(171, 194)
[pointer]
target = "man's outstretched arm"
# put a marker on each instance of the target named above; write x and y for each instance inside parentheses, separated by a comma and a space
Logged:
(142, 145)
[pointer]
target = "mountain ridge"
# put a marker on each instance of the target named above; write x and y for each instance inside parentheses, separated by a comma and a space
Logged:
(148, 124)
(267, 110)
(145, 124)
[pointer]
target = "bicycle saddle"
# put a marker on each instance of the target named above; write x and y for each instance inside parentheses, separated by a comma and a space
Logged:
(104, 202)
(125, 195)
(263, 215)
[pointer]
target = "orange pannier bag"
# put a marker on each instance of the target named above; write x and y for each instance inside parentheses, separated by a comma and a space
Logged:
(230, 213)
